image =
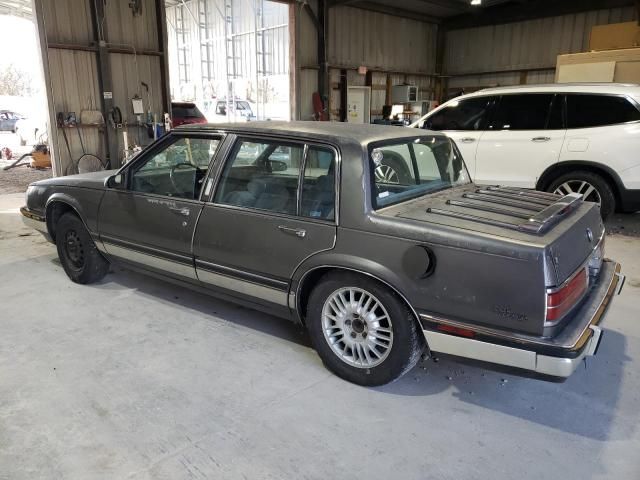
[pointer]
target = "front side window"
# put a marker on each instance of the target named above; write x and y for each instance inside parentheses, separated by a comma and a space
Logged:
(584, 111)
(469, 114)
(262, 175)
(522, 112)
(411, 168)
(177, 170)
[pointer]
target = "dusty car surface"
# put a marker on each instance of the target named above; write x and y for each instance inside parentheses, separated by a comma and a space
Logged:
(293, 219)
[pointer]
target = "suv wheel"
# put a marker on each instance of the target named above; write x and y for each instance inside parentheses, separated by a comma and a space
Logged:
(79, 256)
(362, 331)
(592, 186)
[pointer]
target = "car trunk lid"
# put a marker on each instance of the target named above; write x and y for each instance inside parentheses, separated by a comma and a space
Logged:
(565, 226)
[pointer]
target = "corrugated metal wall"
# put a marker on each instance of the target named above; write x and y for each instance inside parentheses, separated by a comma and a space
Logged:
(385, 44)
(481, 53)
(379, 41)
(71, 68)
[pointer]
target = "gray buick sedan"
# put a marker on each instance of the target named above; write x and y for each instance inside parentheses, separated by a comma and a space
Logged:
(372, 237)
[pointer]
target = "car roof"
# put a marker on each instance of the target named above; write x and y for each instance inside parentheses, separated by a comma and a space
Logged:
(183, 104)
(618, 88)
(328, 131)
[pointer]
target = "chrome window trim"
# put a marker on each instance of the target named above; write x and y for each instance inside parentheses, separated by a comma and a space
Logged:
(162, 144)
(238, 136)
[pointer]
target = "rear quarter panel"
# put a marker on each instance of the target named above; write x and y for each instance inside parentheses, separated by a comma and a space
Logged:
(614, 146)
(469, 282)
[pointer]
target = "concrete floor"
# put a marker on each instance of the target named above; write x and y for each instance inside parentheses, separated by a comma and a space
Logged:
(136, 378)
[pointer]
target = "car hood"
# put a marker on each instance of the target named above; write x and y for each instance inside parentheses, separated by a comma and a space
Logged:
(565, 227)
(85, 180)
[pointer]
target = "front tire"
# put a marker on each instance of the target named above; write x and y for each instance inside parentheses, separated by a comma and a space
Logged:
(78, 254)
(362, 331)
(592, 186)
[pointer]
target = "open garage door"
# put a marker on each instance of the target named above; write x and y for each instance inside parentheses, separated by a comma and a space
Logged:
(230, 57)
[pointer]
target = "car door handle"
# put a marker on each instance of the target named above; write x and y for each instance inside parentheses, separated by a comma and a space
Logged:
(467, 140)
(181, 211)
(298, 232)
(540, 139)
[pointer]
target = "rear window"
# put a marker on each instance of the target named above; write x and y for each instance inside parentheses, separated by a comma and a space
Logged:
(407, 169)
(522, 112)
(186, 111)
(585, 111)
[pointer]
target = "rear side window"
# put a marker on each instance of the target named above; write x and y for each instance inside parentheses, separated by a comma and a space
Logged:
(584, 111)
(522, 112)
(469, 114)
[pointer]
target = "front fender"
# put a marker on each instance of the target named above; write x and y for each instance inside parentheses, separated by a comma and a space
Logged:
(84, 202)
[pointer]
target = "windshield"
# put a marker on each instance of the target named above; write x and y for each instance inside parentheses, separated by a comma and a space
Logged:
(410, 168)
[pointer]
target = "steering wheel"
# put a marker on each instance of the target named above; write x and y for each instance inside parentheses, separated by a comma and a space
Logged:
(172, 175)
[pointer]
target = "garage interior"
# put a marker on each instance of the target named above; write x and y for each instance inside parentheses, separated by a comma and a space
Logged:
(138, 378)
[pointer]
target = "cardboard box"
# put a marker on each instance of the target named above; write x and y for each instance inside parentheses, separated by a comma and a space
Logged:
(615, 35)
(621, 66)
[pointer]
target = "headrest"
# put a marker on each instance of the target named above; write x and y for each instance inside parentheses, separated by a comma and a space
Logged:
(256, 187)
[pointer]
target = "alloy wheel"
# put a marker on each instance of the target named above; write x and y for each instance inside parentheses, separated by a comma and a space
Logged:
(357, 327)
(588, 191)
(386, 174)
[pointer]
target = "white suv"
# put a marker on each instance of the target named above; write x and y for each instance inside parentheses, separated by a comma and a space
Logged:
(560, 138)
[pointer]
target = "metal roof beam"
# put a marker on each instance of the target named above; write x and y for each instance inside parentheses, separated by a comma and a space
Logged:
(394, 11)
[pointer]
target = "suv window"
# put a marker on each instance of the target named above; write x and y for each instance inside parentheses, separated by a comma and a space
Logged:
(469, 114)
(177, 170)
(521, 112)
(262, 175)
(585, 111)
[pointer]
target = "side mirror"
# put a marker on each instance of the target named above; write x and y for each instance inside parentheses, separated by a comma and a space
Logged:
(114, 181)
(278, 166)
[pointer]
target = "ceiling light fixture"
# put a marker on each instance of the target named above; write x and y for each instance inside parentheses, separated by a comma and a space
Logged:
(476, 2)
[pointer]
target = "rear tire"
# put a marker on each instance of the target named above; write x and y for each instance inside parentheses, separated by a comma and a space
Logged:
(596, 188)
(370, 337)
(78, 254)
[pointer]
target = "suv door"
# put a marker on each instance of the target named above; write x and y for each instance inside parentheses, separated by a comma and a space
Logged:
(464, 121)
(150, 222)
(524, 137)
(273, 207)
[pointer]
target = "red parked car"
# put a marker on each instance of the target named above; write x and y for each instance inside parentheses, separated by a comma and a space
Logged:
(186, 113)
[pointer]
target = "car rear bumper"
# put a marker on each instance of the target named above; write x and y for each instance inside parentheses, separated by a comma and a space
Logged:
(557, 357)
(34, 220)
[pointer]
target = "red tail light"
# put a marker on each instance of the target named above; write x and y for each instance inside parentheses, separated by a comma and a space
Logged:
(561, 301)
